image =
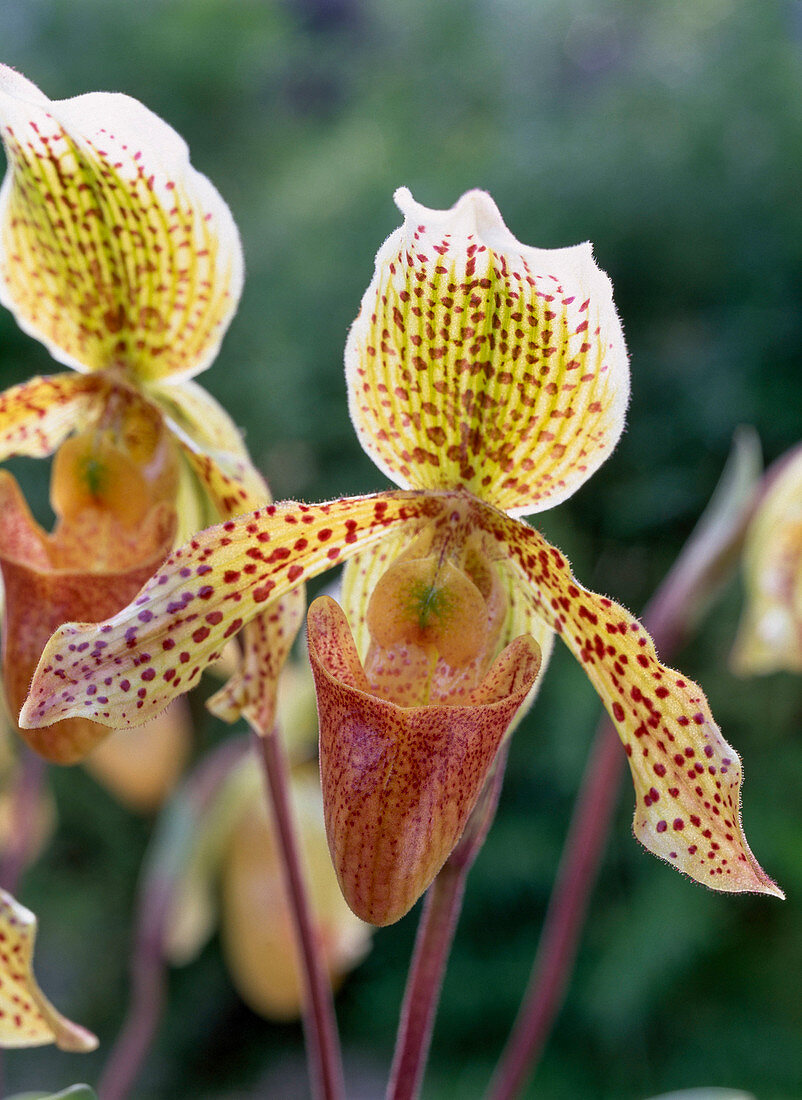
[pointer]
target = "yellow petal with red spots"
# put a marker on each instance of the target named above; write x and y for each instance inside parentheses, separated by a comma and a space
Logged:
(770, 633)
(213, 447)
(27, 1018)
(38, 415)
(479, 362)
(114, 251)
(267, 641)
(229, 480)
(687, 778)
(126, 670)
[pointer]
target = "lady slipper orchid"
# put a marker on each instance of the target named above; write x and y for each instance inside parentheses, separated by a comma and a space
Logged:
(770, 635)
(489, 380)
(126, 263)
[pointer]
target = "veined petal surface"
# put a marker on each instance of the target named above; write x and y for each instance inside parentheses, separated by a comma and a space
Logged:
(126, 670)
(37, 416)
(193, 411)
(399, 783)
(478, 362)
(27, 1018)
(230, 481)
(114, 251)
(687, 778)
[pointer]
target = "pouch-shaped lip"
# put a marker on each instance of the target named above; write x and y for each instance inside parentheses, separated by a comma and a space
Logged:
(399, 783)
(39, 596)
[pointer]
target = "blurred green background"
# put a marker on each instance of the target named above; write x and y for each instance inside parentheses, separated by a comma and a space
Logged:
(670, 134)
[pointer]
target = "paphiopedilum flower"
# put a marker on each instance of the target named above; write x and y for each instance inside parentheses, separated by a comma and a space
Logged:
(770, 635)
(488, 380)
(126, 263)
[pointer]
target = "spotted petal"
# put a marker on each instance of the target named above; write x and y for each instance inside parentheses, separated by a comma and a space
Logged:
(38, 415)
(126, 670)
(479, 362)
(218, 456)
(114, 251)
(687, 778)
(27, 1018)
(267, 641)
(193, 412)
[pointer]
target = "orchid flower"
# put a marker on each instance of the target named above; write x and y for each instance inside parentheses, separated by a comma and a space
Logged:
(125, 262)
(27, 1018)
(770, 634)
(488, 380)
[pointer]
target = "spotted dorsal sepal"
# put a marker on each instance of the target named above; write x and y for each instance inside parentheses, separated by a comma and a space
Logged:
(482, 363)
(113, 249)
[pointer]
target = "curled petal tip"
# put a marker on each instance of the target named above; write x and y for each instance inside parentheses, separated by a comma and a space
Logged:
(687, 778)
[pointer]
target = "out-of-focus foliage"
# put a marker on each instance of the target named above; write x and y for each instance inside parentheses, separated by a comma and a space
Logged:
(669, 134)
(75, 1092)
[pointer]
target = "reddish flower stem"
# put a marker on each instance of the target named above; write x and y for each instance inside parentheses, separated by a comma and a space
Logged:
(320, 1028)
(148, 994)
(433, 944)
(671, 617)
(559, 938)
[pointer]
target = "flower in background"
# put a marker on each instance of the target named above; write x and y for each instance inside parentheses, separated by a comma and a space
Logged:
(770, 634)
(233, 875)
(489, 380)
(27, 1018)
(126, 263)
